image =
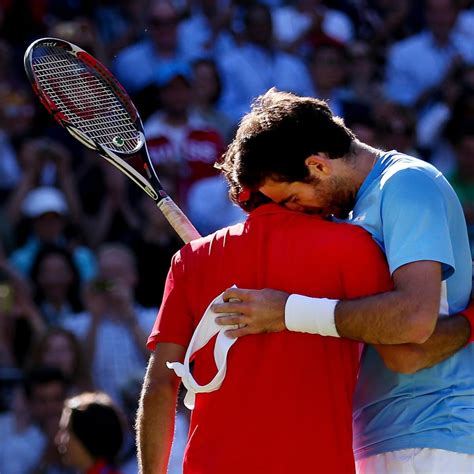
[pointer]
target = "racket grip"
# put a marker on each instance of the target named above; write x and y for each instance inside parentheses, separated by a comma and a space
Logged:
(178, 220)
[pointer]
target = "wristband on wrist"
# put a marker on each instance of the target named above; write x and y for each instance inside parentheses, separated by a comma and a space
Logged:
(311, 315)
(468, 313)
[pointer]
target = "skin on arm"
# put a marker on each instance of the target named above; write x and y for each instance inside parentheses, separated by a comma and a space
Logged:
(157, 410)
(450, 335)
(415, 299)
(407, 314)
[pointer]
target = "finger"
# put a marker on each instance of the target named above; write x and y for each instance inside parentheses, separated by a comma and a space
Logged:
(231, 319)
(235, 293)
(240, 332)
(230, 307)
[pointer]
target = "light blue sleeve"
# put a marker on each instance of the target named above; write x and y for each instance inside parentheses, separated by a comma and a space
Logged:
(415, 222)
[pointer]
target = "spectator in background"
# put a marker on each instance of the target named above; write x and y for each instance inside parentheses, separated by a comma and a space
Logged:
(207, 90)
(90, 433)
(21, 324)
(421, 62)
(153, 245)
(363, 82)
(114, 218)
(209, 215)
(113, 328)
(461, 136)
(396, 128)
(257, 65)
(180, 142)
(301, 25)
(206, 32)
(28, 431)
(328, 69)
(16, 119)
(47, 209)
(452, 103)
(136, 65)
(57, 284)
(59, 348)
(119, 23)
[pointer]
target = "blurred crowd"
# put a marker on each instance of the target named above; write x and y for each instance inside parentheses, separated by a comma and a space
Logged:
(84, 254)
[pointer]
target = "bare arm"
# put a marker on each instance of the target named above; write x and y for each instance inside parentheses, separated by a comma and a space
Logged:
(157, 409)
(407, 314)
(451, 335)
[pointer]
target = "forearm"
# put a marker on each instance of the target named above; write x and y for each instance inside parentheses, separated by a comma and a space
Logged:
(386, 318)
(451, 334)
(155, 427)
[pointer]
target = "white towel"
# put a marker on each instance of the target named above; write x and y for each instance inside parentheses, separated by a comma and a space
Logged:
(203, 333)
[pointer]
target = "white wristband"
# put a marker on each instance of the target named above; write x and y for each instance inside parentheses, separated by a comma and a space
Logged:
(312, 315)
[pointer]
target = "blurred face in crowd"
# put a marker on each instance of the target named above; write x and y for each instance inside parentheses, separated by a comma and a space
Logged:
(441, 17)
(259, 26)
(328, 68)
(55, 277)
(205, 83)
(58, 352)
(46, 404)
(164, 26)
(49, 226)
(117, 266)
(176, 96)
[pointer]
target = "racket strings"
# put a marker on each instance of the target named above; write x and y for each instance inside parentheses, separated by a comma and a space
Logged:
(85, 99)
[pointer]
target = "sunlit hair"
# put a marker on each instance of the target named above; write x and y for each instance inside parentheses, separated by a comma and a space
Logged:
(275, 138)
(97, 423)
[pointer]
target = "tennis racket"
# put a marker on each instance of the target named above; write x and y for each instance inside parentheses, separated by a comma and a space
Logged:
(86, 99)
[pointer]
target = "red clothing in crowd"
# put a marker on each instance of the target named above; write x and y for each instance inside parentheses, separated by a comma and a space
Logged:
(285, 405)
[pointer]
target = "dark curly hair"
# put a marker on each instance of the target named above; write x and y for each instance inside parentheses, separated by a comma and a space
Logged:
(275, 138)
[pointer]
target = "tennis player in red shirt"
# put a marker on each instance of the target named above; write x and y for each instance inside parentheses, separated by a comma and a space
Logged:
(285, 405)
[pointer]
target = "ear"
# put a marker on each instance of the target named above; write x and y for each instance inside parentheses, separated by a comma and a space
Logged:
(319, 165)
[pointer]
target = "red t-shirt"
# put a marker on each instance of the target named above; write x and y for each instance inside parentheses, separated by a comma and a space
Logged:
(285, 404)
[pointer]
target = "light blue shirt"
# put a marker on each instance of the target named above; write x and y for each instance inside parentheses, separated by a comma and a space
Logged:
(413, 214)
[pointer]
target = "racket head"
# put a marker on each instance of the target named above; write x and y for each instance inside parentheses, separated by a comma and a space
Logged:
(83, 96)
(86, 99)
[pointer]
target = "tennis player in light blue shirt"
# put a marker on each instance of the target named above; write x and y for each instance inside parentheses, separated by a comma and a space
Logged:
(414, 404)
(413, 214)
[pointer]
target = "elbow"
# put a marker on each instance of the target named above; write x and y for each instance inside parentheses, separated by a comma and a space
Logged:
(420, 326)
(406, 360)
(405, 367)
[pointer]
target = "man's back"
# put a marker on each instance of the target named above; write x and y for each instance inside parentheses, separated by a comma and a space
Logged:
(285, 404)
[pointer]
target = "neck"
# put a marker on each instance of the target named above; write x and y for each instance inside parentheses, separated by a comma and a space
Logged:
(364, 158)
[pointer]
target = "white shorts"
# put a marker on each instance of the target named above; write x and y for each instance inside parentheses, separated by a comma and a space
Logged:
(417, 461)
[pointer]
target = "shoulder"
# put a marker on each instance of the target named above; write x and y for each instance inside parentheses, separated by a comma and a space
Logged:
(408, 172)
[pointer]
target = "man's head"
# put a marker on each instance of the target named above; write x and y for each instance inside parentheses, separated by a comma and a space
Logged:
(117, 264)
(46, 389)
(441, 16)
(47, 208)
(288, 142)
(258, 25)
(164, 20)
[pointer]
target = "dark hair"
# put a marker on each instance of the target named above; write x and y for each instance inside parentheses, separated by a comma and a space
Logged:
(97, 424)
(45, 251)
(275, 138)
(43, 376)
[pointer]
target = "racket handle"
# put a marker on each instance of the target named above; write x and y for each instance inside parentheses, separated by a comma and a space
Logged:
(178, 220)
